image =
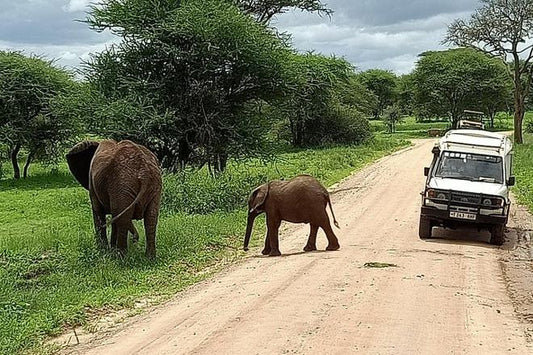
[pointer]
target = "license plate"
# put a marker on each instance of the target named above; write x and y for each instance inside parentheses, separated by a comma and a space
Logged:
(463, 215)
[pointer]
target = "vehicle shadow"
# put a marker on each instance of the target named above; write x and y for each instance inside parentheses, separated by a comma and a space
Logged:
(473, 237)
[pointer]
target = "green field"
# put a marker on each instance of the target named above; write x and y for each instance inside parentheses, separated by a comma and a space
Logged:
(52, 276)
(411, 128)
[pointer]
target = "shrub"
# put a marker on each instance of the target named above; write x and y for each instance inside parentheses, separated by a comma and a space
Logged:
(529, 126)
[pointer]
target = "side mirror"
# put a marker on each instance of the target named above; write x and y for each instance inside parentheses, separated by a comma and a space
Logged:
(426, 171)
(511, 181)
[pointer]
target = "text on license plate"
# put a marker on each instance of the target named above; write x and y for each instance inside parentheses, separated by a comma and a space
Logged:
(463, 215)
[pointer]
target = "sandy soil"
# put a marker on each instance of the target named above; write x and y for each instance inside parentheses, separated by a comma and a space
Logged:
(451, 294)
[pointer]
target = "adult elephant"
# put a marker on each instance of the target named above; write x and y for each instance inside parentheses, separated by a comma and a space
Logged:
(124, 180)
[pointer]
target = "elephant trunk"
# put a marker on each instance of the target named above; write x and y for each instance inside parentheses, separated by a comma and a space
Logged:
(251, 218)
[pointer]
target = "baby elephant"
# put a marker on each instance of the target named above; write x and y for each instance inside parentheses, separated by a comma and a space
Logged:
(300, 200)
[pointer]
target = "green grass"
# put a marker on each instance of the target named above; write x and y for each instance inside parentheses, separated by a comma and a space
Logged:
(410, 128)
(52, 276)
(523, 169)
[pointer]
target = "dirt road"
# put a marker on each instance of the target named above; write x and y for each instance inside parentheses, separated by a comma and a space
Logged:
(445, 295)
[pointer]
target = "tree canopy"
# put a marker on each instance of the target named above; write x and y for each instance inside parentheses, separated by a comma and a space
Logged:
(265, 10)
(326, 101)
(189, 73)
(383, 84)
(30, 88)
(449, 82)
(502, 28)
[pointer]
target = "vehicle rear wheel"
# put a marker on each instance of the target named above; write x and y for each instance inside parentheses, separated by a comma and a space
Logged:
(497, 234)
(424, 228)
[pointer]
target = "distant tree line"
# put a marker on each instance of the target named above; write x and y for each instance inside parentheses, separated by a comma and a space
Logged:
(203, 81)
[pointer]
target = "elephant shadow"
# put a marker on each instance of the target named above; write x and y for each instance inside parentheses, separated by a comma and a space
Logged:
(296, 253)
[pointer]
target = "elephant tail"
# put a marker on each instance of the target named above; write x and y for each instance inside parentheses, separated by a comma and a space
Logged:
(333, 214)
(140, 195)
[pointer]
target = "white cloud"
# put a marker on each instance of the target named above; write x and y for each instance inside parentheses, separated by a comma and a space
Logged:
(76, 5)
(392, 45)
(386, 34)
(68, 56)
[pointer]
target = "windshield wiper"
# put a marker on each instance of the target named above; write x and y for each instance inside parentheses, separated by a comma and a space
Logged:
(457, 177)
(486, 179)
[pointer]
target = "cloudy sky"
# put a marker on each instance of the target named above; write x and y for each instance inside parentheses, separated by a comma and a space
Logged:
(386, 34)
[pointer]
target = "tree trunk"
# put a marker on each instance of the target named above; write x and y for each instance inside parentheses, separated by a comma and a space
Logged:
(519, 101)
(221, 161)
(518, 118)
(14, 160)
(27, 165)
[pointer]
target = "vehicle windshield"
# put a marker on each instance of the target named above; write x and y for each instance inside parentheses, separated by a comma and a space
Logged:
(474, 167)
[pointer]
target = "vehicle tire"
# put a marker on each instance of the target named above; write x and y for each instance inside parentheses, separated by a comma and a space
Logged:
(424, 228)
(497, 234)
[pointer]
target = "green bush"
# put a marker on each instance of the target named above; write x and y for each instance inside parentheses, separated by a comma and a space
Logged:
(343, 125)
(529, 126)
(197, 192)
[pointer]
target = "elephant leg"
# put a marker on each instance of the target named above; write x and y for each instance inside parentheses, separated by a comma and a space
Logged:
(311, 243)
(267, 249)
(150, 226)
(122, 237)
(114, 236)
(135, 234)
(273, 231)
(100, 228)
(333, 242)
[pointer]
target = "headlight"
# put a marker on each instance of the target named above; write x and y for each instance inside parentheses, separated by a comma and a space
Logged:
(493, 202)
(437, 195)
(496, 201)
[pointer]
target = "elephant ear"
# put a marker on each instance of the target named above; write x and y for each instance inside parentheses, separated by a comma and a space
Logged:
(259, 196)
(79, 161)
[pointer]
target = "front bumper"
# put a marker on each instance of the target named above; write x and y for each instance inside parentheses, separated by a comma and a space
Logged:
(442, 217)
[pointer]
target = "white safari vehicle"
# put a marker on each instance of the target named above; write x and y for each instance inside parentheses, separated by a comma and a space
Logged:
(468, 183)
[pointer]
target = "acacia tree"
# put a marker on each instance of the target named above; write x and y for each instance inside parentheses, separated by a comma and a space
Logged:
(186, 78)
(265, 10)
(405, 94)
(392, 115)
(28, 88)
(383, 84)
(326, 101)
(448, 82)
(502, 28)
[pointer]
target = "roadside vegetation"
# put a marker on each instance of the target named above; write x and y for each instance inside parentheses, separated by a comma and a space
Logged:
(523, 166)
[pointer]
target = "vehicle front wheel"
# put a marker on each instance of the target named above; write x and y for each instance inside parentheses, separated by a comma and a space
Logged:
(497, 234)
(424, 228)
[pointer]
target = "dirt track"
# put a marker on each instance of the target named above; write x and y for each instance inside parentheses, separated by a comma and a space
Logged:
(446, 295)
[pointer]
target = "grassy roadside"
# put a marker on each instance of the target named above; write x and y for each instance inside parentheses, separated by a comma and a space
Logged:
(53, 277)
(523, 169)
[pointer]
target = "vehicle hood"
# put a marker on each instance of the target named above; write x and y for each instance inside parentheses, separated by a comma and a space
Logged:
(477, 187)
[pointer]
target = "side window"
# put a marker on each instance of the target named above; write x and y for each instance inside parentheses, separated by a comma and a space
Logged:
(508, 166)
(434, 165)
